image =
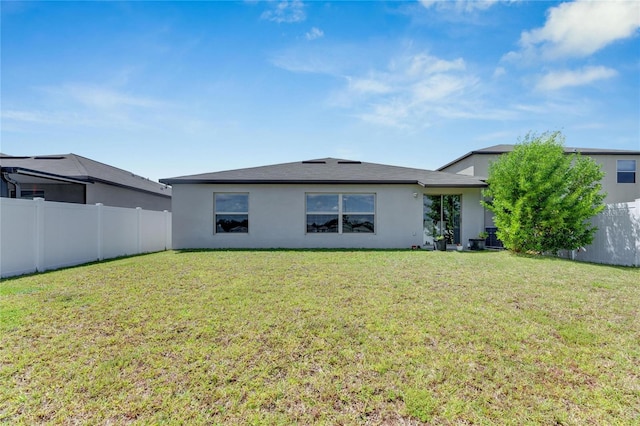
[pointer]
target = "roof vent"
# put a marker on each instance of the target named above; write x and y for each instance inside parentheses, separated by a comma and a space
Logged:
(49, 158)
(349, 162)
(314, 162)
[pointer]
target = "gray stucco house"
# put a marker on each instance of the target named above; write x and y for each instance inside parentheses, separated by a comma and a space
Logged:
(621, 181)
(324, 203)
(72, 178)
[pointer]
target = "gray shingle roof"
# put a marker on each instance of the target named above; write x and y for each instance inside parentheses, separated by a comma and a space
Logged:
(501, 149)
(83, 169)
(332, 171)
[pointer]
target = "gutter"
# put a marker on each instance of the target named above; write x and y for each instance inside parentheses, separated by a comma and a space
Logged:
(171, 181)
(15, 183)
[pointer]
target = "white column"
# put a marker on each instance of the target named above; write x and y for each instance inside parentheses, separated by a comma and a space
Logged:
(635, 222)
(167, 230)
(39, 234)
(100, 247)
(139, 239)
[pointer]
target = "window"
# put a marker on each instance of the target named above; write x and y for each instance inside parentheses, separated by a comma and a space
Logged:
(441, 217)
(340, 213)
(358, 213)
(231, 213)
(29, 194)
(626, 171)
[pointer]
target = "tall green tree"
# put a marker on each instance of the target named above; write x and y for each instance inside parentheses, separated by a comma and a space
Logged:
(542, 198)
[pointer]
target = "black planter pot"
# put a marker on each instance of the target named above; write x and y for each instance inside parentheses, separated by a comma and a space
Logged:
(441, 245)
(476, 243)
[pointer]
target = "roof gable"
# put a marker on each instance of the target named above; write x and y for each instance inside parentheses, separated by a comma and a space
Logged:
(332, 171)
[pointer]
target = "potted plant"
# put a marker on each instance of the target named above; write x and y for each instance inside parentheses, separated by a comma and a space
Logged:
(459, 247)
(478, 243)
(441, 243)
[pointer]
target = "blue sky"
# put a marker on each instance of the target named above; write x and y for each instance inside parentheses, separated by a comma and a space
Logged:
(166, 89)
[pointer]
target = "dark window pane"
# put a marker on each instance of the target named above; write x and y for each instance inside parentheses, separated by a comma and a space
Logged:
(232, 223)
(228, 203)
(360, 203)
(626, 177)
(322, 203)
(25, 193)
(322, 223)
(357, 223)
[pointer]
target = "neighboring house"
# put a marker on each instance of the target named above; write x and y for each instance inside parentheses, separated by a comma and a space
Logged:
(621, 181)
(325, 203)
(74, 179)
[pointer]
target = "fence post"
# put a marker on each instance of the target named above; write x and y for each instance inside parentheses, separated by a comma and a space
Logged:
(636, 223)
(166, 229)
(39, 234)
(139, 241)
(100, 247)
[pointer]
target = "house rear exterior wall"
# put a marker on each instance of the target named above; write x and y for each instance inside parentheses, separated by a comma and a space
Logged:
(116, 196)
(478, 165)
(618, 192)
(277, 217)
(466, 167)
(60, 192)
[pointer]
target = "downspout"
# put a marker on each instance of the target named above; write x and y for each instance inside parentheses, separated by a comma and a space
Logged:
(14, 183)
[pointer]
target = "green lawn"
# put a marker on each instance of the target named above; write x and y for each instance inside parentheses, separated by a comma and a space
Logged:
(322, 337)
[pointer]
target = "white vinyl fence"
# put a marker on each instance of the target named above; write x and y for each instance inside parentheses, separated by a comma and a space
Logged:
(617, 241)
(38, 235)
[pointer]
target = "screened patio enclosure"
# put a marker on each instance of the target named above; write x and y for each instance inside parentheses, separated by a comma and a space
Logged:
(441, 216)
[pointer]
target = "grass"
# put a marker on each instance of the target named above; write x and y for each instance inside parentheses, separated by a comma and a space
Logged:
(322, 337)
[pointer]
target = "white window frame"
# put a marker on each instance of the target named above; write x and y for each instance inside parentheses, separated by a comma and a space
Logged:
(630, 172)
(216, 213)
(340, 213)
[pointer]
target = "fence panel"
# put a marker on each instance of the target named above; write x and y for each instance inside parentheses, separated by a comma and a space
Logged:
(617, 241)
(70, 234)
(17, 236)
(119, 231)
(37, 235)
(152, 230)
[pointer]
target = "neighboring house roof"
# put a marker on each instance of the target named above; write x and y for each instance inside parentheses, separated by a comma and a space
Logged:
(79, 169)
(504, 148)
(331, 171)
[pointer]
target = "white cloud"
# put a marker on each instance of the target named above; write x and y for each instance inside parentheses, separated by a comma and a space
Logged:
(314, 33)
(556, 80)
(459, 5)
(103, 98)
(411, 90)
(580, 28)
(499, 72)
(28, 116)
(368, 85)
(306, 61)
(438, 88)
(285, 11)
(423, 64)
(85, 105)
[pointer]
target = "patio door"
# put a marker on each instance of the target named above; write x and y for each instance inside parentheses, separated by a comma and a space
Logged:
(441, 216)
